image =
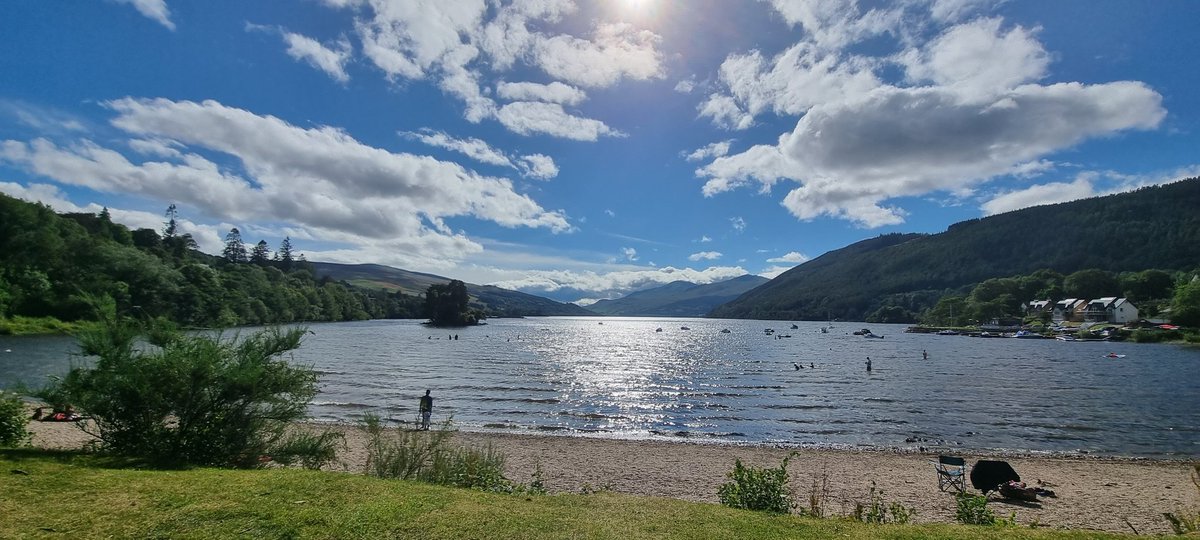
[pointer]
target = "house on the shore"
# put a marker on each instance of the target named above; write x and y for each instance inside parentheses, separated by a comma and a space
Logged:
(1070, 309)
(1038, 308)
(1110, 309)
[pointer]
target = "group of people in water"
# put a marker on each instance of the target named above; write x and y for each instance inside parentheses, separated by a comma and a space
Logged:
(811, 365)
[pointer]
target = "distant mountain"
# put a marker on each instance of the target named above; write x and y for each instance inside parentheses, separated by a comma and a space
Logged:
(678, 298)
(497, 301)
(1151, 228)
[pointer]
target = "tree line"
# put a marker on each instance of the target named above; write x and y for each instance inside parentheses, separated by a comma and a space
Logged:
(55, 265)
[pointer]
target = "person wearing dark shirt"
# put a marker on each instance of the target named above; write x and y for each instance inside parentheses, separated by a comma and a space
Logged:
(426, 409)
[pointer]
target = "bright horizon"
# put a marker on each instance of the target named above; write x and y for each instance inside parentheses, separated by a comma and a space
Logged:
(585, 150)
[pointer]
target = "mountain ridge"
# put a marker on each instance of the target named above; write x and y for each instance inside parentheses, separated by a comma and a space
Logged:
(678, 298)
(1155, 227)
(502, 302)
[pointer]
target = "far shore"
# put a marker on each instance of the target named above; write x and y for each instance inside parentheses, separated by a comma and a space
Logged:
(1110, 494)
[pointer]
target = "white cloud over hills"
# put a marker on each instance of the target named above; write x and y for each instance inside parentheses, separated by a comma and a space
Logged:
(320, 179)
(972, 106)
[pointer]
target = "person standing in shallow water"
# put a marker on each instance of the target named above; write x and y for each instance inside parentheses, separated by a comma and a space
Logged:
(868, 364)
(426, 409)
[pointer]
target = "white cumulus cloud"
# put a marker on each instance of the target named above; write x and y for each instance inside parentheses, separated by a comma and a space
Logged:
(792, 257)
(704, 256)
(321, 180)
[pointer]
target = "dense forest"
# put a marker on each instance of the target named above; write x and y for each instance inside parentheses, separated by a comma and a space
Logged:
(58, 265)
(899, 276)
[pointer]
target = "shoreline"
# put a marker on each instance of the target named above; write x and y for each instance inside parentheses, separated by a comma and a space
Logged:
(930, 450)
(1093, 492)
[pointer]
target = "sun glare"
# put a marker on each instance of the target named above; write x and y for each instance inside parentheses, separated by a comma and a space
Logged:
(636, 9)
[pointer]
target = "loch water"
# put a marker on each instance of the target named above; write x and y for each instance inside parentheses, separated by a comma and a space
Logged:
(621, 378)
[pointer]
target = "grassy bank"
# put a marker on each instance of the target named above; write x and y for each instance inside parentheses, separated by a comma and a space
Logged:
(51, 495)
(20, 326)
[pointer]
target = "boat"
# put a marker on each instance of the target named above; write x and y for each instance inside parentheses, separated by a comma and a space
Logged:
(794, 327)
(862, 332)
(1114, 355)
(684, 328)
(1065, 337)
(870, 335)
(769, 331)
(724, 330)
(947, 333)
(658, 329)
(824, 330)
(1026, 334)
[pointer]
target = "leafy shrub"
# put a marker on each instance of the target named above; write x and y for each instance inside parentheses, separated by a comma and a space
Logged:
(14, 421)
(424, 456)
(973, 510)
(753, 488)
(191, 398)
(310, 450)
(878, 511)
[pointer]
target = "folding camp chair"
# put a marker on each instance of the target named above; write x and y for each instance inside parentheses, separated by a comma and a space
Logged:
(952, 473)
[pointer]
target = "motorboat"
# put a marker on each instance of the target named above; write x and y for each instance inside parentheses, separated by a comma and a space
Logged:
(724, 330)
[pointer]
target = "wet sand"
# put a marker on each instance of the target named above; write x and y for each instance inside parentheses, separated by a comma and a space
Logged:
(1092, 493)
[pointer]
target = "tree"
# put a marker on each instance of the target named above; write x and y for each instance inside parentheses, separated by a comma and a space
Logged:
(1185, 310)
(1090, 284)
(235, 250)
(446, 305)
(193, 398)
(170, 226)
(261, 254)
(284, 256)
(1147, 285)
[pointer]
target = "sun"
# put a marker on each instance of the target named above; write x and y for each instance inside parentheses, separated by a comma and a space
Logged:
(636, 8)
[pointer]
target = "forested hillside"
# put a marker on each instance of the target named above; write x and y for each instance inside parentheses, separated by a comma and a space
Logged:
(1151, 228)
(678, 298)
(489, 299)
(54, 265)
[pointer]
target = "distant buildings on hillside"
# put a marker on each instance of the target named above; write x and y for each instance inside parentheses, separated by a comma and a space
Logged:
(1111, 309)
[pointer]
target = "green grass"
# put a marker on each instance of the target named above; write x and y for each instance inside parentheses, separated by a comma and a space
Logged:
(20, 326)
(64, 495)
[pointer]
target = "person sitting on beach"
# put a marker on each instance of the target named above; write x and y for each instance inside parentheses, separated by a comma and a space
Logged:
(426, 409)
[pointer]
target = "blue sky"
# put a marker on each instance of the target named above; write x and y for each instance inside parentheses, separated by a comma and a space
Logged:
(583, 150)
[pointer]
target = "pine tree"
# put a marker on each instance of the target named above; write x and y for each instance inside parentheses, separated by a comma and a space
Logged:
(284, 256)
(261, 254)
(235, 250)
(172, 214)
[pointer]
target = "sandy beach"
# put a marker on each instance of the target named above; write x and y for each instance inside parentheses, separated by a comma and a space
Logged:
(1092, 493)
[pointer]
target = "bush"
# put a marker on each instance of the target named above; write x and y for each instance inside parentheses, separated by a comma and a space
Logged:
(424, 456)
(762, 489)
(973, 510)
(877, 511)
(192, 399)
(14, 421)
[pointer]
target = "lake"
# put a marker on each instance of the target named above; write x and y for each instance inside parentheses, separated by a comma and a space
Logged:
(619, 377)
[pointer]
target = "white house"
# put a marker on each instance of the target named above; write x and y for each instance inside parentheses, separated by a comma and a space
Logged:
(1111, 309)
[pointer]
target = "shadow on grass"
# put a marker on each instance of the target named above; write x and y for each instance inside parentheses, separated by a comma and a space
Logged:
(86, 458)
